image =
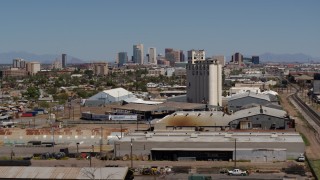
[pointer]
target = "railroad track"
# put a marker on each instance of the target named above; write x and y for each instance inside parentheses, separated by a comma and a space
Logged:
(308, 111)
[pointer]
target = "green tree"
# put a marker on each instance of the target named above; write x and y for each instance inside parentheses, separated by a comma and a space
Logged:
(32, 93)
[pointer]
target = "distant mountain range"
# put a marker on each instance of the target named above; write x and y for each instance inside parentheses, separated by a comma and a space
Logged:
(6, 58)
(298, 57)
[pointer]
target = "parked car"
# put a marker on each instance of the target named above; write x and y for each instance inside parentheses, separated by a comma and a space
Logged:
(237, 172)
(301, 158)
(4, 117)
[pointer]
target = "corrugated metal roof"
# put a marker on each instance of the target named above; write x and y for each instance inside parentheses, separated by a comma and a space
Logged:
(117, 92)
(216, 118)
(18, 172)
(256, 110)
(248, 94)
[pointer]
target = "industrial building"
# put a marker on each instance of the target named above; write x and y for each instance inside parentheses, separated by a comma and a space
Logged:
(258, 118)
(238, 101)
(204, 82)
(108, 97)
(152, 111)
(113, 96)
(100, 69)
(181, 145)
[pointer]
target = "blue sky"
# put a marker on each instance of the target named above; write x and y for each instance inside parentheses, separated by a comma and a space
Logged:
(98, 29)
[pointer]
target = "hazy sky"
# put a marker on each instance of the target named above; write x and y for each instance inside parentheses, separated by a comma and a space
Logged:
(98, 29)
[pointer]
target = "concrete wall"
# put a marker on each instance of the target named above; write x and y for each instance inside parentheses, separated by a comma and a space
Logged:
(261, 155)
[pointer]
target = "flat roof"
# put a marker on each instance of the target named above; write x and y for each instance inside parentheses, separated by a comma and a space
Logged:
(174, 136)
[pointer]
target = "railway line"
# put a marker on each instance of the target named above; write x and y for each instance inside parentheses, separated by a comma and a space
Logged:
(311, 113)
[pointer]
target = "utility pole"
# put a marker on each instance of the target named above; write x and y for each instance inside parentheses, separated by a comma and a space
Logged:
(235, 153)
(77, 149)
(131, 153)
(101, 136)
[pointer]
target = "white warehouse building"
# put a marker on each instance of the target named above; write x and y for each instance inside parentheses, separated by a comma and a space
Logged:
(204, 82)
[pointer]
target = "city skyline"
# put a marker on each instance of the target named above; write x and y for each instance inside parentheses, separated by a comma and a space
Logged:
(101, 29)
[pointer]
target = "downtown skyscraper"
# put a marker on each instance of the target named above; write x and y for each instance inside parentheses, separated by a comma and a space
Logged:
(122, 58)
(138, 55)
(152, 56)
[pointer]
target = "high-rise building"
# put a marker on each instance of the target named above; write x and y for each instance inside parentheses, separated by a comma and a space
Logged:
(16, 63)
(122, 58)
(32, 67)
(204, 82)
(138, 54)
(182, 57)
(255, 60)
(196, 55)
(237, 58)
(172, 56)
(100, 68)
(152, 56)
(221, 59)
(64, 60)
(22, 64)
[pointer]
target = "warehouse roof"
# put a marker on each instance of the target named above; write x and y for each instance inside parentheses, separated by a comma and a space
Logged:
(249, 94)
(185, 136)
(258, 110)
(117, 92)
(216, 118)
(200, 118)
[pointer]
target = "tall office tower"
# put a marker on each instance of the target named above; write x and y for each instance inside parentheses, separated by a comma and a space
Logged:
(100, 68)
(32, 67)
(182, 57)
(22, 64)
(221, 59)
(237, 58)
(255, 60)
(196, 55)
(16, 63)
(152, 56)
(64, 60)
(138, 54)
(172, 56)
(204, 82)
(122, 58)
